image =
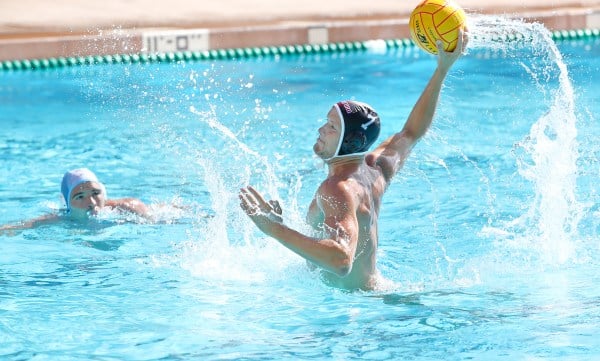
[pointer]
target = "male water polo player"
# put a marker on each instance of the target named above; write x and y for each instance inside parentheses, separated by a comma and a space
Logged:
(84, 196)
(345, 208)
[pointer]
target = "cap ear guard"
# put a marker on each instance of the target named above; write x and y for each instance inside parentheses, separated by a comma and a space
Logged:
(354, 142)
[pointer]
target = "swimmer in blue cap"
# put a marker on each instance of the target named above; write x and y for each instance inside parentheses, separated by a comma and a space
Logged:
(84, 196)
(345, 208)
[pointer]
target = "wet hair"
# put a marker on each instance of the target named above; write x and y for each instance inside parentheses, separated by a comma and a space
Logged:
(360, 127)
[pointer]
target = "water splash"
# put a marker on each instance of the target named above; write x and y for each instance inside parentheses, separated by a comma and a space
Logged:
(548, 156)
(211, 115)
(227, 247)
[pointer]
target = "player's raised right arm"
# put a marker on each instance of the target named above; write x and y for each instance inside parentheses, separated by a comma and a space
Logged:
(392, 153)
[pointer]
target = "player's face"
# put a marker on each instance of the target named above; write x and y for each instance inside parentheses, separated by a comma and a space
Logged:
(329, 135)
(87, 199)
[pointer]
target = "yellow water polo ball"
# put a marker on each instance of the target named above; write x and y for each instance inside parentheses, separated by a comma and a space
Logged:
(434, 20)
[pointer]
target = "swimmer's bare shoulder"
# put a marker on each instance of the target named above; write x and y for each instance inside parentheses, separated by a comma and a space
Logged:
(132, 205)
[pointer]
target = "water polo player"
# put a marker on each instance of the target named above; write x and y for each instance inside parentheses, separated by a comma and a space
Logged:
(84, 197)
(345, 209)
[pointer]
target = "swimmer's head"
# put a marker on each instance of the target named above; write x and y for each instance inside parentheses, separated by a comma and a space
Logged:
(359, 128)
(82, 183)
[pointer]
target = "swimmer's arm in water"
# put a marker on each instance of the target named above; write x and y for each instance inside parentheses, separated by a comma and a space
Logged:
(392, 152)
(10, 229)
(335, 253)
(132, 205)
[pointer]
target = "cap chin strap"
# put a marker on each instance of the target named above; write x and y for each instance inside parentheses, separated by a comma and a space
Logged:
(345, 156)
(342, 133)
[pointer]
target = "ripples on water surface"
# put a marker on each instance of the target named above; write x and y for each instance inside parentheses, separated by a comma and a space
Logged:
(489, 236)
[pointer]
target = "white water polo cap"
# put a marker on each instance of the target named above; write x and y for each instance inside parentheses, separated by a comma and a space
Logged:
(360, 128)
(75, 177)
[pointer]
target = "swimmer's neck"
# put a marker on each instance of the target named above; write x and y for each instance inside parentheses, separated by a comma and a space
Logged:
(344, 164)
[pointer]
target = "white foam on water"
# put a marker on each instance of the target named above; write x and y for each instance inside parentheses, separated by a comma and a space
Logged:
(548, 156)
(228, 247)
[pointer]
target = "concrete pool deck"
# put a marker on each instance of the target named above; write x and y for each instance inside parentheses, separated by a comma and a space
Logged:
(33, 29)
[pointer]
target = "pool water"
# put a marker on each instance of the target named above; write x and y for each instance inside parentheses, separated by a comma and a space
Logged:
(488, 236)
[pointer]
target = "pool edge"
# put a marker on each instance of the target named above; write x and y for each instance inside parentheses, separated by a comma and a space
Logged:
(165, 41)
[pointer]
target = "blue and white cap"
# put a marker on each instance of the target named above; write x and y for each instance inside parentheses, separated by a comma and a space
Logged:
(75, 177)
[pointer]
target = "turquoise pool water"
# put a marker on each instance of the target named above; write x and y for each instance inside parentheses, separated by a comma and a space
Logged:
(489, 236)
